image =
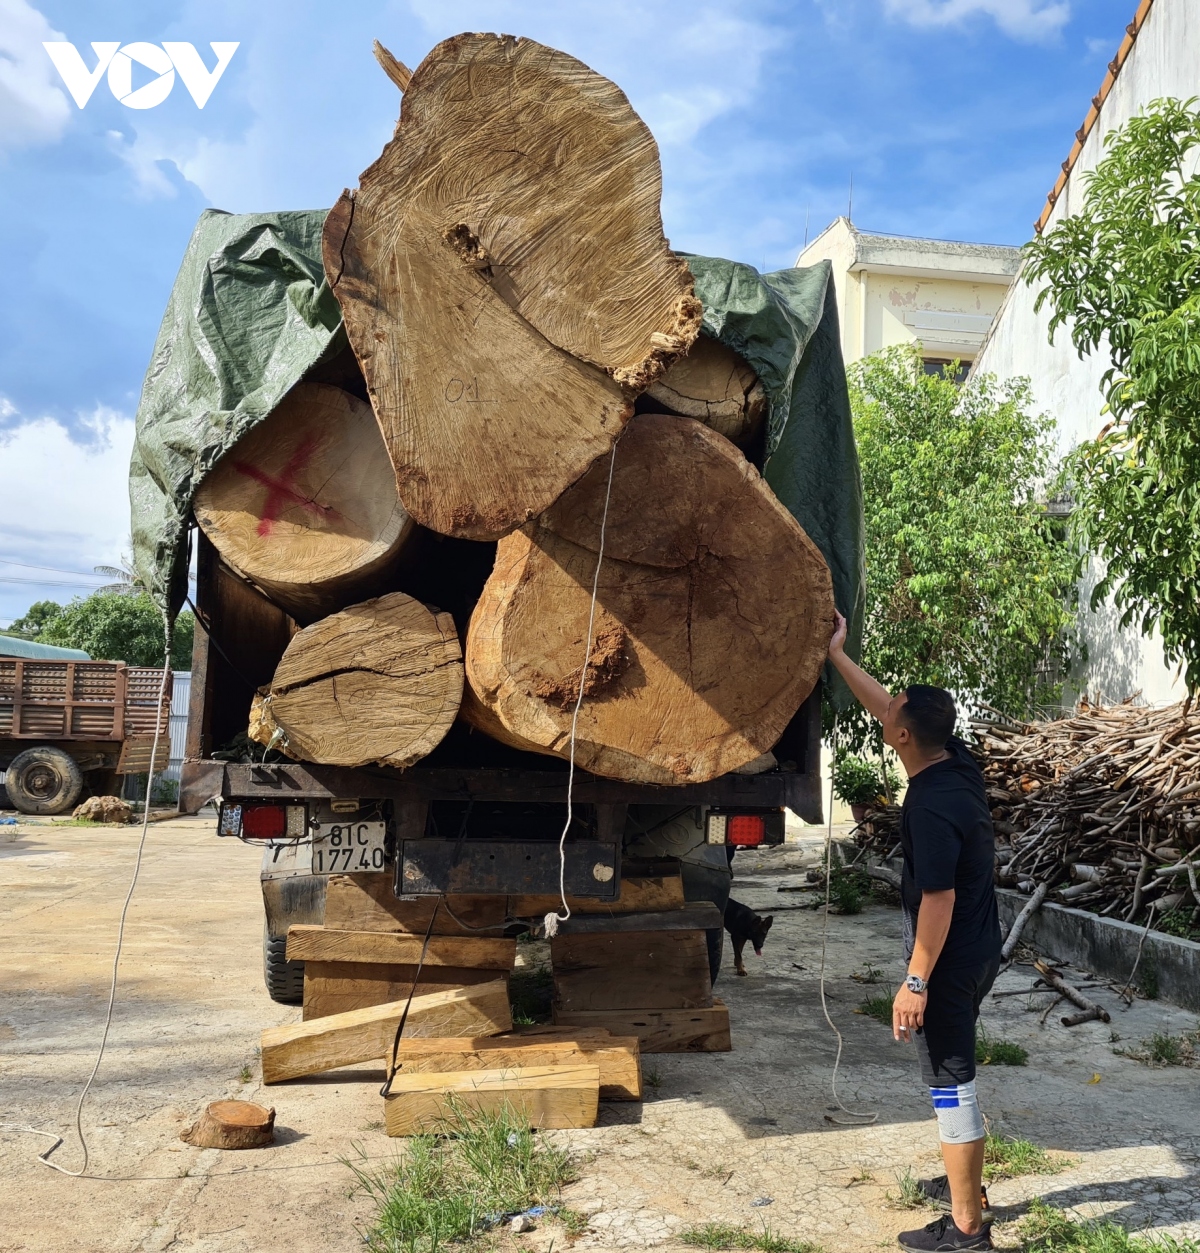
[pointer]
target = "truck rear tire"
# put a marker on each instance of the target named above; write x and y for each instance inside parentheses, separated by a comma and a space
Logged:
(284, 979)
(43, 780)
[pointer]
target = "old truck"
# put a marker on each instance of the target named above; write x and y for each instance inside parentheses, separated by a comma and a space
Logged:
(67, 725)
(475, 817)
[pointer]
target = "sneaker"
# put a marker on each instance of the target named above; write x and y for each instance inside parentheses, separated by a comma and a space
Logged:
(937, 1192)
(942, 1234)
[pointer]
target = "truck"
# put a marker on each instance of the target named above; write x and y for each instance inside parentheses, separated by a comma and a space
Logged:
(67, 725)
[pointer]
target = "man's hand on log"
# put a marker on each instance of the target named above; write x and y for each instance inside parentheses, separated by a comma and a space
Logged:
(908, 1012)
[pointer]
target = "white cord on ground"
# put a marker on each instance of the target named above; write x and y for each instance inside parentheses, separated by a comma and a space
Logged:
(552, 919)
(861, 1117)
(44, 1158)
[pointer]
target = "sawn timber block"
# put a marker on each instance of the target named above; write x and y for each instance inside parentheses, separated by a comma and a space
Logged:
(638, 895)
(335, 987)
(365, 1035)
(548, 1097)
(631, 970)
(616, 1056)
(326, 944)
(661, 1030)
(367, 902)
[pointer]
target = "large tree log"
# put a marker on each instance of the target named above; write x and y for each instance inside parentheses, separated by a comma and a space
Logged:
(713, 616)
(380, 682)
(505, 281)
(306, 505)
(715, 386)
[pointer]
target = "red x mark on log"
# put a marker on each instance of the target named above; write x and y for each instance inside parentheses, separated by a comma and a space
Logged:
(282, 489)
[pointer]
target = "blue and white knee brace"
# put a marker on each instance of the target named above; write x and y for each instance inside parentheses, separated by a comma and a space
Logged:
(957, 1109)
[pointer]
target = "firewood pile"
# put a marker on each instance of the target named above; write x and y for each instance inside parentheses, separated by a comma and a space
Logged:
(508, 295)
(1103, 807)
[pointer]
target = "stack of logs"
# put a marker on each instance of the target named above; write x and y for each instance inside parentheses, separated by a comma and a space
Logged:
(509, 295)
(1103, 807)
(458, 1047)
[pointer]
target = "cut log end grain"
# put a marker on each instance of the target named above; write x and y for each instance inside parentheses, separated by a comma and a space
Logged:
(505, 281)
(716, 386)
(713, 616)
(306, 505)
(232, 1125)
(379, 683)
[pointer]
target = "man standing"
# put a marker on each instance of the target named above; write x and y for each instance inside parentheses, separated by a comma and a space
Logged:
(951, 930)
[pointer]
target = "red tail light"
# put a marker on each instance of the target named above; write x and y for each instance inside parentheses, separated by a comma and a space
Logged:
(264, 822)
(745, 829)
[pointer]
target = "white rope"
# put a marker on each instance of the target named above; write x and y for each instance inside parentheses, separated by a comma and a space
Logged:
(44, 1158)
(552, 919)
(861, 1118)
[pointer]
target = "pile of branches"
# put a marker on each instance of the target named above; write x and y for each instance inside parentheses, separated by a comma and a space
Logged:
(1103, 808)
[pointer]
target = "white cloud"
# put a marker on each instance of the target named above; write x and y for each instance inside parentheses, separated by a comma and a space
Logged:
(1032, 20)
(73, 501)
(33, 107)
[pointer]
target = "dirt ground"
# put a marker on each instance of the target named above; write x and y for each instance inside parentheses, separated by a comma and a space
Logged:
(744, 1137)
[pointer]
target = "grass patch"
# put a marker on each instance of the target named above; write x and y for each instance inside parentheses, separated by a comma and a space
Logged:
(531, 992)
(1165, 1049)
(847, 887)
(453, 1186)
(877, 1007)
(989, 1052)
(727, 1236)
(1006, 1157)
(869, 974)
(910, 1195)
(1048, 1230)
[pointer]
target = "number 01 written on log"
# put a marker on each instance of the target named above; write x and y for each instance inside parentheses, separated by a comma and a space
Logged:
(348, 847)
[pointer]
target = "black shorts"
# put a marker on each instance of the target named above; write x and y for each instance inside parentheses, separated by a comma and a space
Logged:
(946, 1041)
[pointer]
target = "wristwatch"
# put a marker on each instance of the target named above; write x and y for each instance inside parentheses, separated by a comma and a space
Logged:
(914, 983)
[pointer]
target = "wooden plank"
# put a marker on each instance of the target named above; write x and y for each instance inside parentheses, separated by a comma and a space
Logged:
(638, 895)
(326, 944)
(661, 1030)
(367, 902)
(700, 916)
(336, 987)
(616, 1056)
(663, 969)
(547, 1096)
(366, 1035)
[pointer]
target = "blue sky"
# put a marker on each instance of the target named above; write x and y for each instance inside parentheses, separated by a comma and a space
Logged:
(952, 116)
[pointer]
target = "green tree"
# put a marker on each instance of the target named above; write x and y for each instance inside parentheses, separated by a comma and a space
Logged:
(116, 626)
(36, 618)
(1123, 274)
(968, 587)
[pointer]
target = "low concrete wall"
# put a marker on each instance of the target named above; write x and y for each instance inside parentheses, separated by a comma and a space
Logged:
(1107, 947)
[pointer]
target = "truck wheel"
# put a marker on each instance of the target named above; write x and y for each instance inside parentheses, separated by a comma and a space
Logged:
(43, 780)
(284, 979)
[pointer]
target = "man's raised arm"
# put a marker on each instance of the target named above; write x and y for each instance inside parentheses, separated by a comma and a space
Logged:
(872, 695)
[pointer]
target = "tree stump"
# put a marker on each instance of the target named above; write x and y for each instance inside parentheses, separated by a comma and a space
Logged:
(232, 1125)
(306, 505)
(713, 617)
(505, 281)
(379, 683)
(716, 386)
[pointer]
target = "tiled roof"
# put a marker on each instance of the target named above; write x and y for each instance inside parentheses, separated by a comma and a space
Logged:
(1093, 114)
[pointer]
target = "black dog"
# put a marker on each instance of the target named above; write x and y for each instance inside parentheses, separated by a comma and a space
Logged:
(744, 924)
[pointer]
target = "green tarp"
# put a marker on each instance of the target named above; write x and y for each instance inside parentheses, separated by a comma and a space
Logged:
(251, 313)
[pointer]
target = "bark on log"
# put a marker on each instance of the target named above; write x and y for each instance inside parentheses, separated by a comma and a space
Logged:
(717, 387)
(713, 615)
(232, 1125)
(306, 504)
(379, 683)
(505, 281)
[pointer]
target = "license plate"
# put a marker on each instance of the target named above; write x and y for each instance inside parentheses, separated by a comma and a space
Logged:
(348, 847)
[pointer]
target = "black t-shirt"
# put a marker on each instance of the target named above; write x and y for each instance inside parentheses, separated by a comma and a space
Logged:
(947, 838)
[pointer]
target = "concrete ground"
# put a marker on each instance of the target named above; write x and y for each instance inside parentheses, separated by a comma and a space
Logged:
(743, 1137)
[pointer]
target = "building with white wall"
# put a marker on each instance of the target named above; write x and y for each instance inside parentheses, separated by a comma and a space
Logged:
(1159, 56)
(892, 289)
